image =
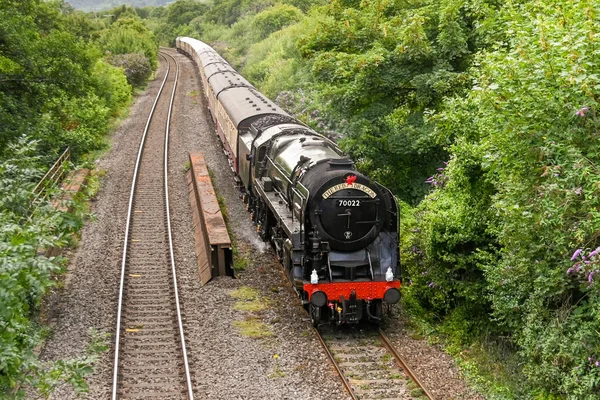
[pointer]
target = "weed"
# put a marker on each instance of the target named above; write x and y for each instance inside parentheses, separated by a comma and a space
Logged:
(277, 373)
(250, 306)
(240, 262)
(245, 293)
(92, 185)
(252, 327)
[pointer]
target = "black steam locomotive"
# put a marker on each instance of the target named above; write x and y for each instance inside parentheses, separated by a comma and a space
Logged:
(335, 231)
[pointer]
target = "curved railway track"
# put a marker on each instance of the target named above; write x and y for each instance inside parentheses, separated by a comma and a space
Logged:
(150, 360)
(369, 365)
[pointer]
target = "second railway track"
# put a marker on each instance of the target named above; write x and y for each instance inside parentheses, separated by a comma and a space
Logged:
(150, 354)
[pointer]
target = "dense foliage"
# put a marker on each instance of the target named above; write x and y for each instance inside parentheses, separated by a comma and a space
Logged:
(481, 116)
(104, 6)
(382, 64)
(518, 198)
(59, 87)
(24, 276)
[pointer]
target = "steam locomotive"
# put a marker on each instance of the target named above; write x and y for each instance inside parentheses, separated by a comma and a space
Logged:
(334, 230)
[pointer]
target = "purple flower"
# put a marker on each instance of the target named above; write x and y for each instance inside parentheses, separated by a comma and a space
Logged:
(576, 254)
(591, 277)
(431, 179)
(441, 169)
(578, 191)
(593, 253)
(581, 112)
(431, 284)
(570, 270)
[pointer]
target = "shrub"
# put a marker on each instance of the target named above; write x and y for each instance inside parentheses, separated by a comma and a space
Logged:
(130, 36)
(520, 194)
(275, 18)
(136, 66)
(112, 85)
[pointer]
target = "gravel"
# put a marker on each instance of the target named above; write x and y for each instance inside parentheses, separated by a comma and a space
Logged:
(225, 364)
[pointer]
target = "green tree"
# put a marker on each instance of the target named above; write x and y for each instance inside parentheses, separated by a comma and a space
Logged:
(182, 12)
(383, 65)
(520, 197)
(274, 19)
(129, 35)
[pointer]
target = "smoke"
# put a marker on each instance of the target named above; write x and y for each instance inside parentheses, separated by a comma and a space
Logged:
(256, 242)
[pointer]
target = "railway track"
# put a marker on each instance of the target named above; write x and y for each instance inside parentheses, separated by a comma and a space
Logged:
(369, 366)
(150, 360)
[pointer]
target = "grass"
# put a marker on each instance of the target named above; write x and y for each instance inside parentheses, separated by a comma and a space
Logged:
(251, 306)
(245, 293)
(251, 302)
(412, 385)
(253, 327)
(240, 261)
(248, 300)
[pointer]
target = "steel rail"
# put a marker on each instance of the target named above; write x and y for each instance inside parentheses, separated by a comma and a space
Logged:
(127, 229)
(388, 344)
(336, 366)
(171, 253)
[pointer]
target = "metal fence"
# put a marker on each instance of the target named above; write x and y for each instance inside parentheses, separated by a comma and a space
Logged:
(52, 178)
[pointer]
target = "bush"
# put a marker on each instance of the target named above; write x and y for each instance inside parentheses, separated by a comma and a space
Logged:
(112, 85)
(520, 195)
(274, 19)
(130, 36)
(136, 66)
(24, 276)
